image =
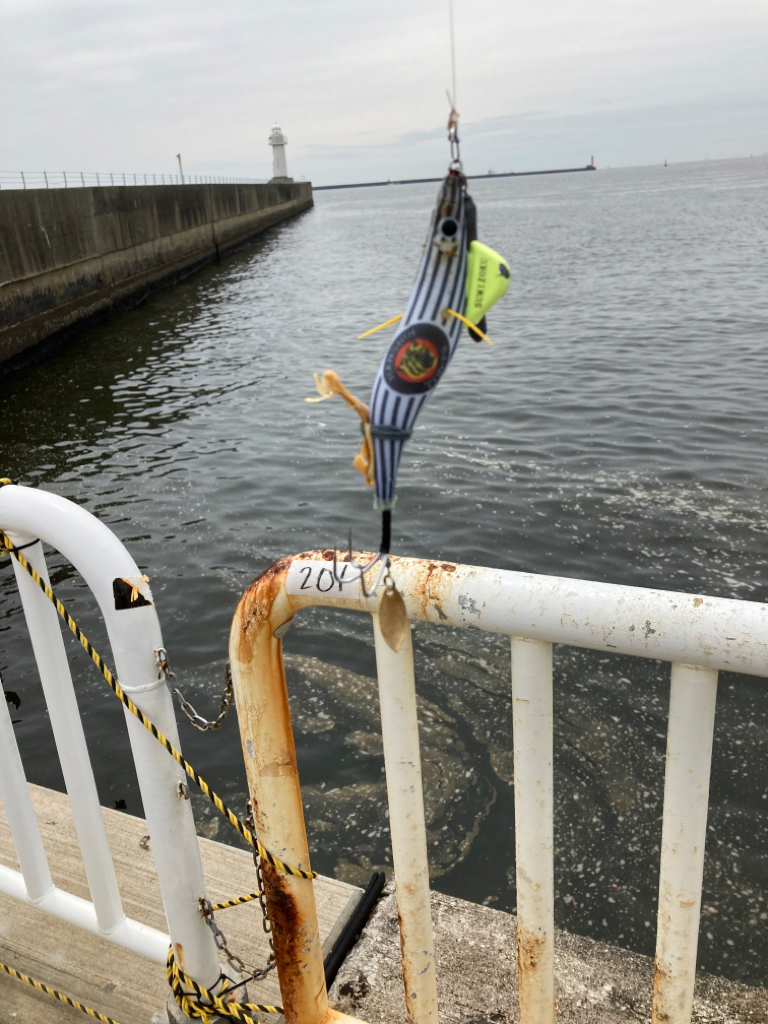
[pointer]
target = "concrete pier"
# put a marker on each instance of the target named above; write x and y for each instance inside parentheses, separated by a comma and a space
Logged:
(477, 976)
(475, 946)
(70, 254)
(109, 979)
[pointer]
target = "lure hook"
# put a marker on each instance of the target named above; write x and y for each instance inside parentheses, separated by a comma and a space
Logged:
(361, 569)
(382, 558)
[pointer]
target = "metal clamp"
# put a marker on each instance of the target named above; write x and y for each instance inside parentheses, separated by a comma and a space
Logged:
(453, 140)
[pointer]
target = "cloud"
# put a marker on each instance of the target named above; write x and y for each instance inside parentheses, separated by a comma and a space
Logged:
(359, 87)
(539, 140)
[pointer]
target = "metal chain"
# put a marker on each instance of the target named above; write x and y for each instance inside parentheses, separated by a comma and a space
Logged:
(225, 705)
(206, 909)
(266, 924)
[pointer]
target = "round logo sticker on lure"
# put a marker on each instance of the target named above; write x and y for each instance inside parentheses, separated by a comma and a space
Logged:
(416, 359)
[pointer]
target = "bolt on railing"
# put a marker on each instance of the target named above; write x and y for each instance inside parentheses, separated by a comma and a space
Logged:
(89, 179)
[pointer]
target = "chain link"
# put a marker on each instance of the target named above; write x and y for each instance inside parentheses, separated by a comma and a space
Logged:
(206, 909)
(225, 705)
(234, 961)
(266, 924)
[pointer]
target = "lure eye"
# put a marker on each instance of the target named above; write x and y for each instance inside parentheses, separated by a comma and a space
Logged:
(448, 227)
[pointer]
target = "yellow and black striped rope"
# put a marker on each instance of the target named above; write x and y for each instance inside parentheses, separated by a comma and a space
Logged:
(57, 995)
(236, 902)
(202, 1004)
(114, 684)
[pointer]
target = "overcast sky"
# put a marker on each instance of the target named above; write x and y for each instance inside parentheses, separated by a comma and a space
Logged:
(359, 85)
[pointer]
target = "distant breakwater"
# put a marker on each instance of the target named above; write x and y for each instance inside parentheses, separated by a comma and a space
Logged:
(472, 177)
(67, 255)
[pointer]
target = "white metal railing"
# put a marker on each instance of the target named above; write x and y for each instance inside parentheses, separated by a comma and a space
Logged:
(134, 633)
(89, 179)
(698, 635)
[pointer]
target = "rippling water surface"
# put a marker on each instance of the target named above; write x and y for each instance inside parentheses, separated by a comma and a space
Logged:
(616, 432)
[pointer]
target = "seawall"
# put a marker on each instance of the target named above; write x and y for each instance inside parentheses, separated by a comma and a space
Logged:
(470, 177)
(70, 254)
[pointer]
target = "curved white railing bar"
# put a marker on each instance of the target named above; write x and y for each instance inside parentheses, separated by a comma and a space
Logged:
(131, 935)
(134, 634)
(53, 666)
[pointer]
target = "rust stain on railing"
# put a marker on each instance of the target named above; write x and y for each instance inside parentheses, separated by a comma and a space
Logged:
(270, 759)
(408, 966)
(660, 981)
(286, 930)
(433, 577)
(529, 952)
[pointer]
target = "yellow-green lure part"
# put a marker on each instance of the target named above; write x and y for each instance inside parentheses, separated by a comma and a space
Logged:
(487, 280)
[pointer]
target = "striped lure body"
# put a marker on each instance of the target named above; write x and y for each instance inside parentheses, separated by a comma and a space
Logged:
(425, 339)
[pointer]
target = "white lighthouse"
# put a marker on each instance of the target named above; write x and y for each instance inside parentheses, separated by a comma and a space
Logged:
(278, 143)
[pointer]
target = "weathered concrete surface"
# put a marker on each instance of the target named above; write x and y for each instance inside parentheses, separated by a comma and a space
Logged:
(475, 948)
(476, 954)
(111, 980)
(68, 254)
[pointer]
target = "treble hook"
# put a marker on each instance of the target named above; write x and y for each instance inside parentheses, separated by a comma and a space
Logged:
(382, 557)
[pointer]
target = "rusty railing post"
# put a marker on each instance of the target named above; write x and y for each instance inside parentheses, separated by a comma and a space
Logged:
(701, 635)
(273, 782)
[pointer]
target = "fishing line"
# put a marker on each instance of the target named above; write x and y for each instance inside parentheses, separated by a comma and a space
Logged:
(453, 57)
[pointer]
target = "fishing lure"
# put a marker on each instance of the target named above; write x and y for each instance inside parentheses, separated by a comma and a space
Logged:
(458, 280)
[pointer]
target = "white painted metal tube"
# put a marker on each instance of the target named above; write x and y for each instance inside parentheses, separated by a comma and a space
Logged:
(533, 724)
(22, 819)
(138, 938)
(686, 794)
(44, 628)
(402, 760)
(134, 635)
(714, 632)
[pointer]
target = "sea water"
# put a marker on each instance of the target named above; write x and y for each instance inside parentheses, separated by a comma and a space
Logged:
(617, 431)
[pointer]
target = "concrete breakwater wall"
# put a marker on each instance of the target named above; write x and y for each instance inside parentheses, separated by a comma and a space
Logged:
(69, 254)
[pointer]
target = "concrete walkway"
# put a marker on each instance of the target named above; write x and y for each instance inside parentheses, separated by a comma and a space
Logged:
(110, 980)
(476, 951)
(476, 948)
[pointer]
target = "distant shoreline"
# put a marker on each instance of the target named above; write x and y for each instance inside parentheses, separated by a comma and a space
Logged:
(421, 181)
